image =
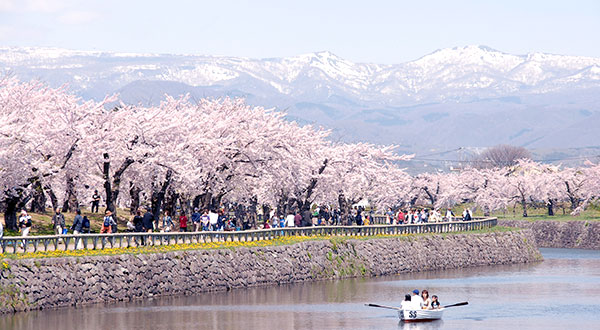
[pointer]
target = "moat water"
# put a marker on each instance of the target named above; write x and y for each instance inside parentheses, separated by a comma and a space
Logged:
(561, 292)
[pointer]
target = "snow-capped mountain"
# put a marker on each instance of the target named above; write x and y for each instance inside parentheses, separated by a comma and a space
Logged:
(485, 95)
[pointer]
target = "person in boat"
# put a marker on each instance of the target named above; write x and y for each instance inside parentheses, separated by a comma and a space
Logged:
(435, 304)
(426, 299)
(406, 304)
(416, 300)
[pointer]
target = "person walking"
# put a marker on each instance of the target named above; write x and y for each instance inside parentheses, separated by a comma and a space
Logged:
(183, 220)
(148, 221)
(213, 219)
(77, 228)
(449, 215)
(85, 226)
(222, 220)
(205, 220)
(58, 220)
(196, 217)
(107, 223)
(466, 215)
(95, 201)
(138, 226)
(167, 222)
(24, 225)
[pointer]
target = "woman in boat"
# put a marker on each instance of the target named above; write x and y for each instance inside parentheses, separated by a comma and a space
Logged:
(426, 299)
(435, 304)
(406, 304)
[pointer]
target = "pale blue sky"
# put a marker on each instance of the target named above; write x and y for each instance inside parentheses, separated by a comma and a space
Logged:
(363, 31)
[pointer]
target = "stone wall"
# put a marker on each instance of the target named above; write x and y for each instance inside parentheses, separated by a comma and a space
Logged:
(561, 234)
(55, 282)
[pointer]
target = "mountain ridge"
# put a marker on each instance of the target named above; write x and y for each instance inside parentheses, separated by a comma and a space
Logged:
(499, 97)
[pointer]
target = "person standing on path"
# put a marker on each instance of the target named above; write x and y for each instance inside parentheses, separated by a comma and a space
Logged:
(95, 201)
(58, 220)
(24, 225)
(148, 221)
(183, 223)
(138, 224)
(167, 222)
(107, 223)
(77, 228)
(196, 217)
(213, 220)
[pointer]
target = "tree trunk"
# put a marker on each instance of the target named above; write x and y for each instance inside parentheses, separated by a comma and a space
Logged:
(344, 209)
(266, 209)
(572, 198)
(158, 196)
(252, 215)
(305, 204)
(38, 204)
(71, 203)
(171, 199)
(412, 202)
(186, 205)
(134, 196)
(282, 206)
(52, 195)
(14, 201)
(197, 201)
(112, 189)
(430, 196)
(10, 214)
(289, 206)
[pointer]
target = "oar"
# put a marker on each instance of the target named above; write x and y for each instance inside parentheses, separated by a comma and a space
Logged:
(382, 306)
(457, 304)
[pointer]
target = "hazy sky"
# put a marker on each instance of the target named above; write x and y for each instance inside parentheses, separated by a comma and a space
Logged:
(364, 31)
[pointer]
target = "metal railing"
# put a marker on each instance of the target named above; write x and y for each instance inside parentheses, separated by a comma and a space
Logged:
(20, 244)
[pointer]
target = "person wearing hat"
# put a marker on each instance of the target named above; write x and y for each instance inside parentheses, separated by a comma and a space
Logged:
(107, 223)
(416, 300)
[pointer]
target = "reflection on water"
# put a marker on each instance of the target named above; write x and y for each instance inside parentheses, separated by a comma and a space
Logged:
(537, 296)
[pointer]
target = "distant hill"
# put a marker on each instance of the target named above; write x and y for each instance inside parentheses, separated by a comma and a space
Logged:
(471, 96)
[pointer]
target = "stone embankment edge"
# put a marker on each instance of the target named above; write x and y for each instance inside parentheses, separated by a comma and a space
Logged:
(561, 234)
(29, 284)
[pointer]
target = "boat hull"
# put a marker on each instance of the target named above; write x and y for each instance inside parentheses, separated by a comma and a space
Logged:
(420, 315)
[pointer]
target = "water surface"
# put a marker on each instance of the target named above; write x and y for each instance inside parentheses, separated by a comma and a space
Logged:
(560, 292)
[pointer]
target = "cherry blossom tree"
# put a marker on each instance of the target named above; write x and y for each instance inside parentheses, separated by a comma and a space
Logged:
(40, 138)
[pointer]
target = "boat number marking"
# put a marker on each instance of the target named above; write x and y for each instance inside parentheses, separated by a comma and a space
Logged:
(412, 314)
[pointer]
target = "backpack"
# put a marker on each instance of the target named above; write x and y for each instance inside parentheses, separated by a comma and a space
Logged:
(106, 221)
(28, 224)
(86, 222)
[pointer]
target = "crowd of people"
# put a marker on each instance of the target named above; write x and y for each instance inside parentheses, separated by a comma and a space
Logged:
(417, 216)
(232, 219)
(414, 301)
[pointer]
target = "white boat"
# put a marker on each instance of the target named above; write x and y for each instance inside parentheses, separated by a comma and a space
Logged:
(417, 315)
